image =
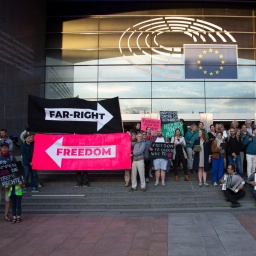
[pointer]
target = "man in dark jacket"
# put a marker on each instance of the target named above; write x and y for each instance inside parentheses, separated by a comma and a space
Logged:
(233, 147)
(26, 157)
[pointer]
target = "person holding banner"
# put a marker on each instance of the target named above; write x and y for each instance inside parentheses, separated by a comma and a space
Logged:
(160, 164)
(138, 163)
(26, 153)
(179, 154)
(202, 157)
(6, 158)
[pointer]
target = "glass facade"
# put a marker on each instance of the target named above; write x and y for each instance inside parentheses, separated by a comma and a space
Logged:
(139, 56)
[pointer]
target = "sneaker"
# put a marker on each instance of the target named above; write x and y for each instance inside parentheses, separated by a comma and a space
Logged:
(206, 184)
(144, 189)
(200, 184)
(77, 185)
(156, 183)
(25, 191)
(34, 190)
(147, 180)
(150, 175)
(132, 189)
(39, 185)
(163, 183)
(235, 204)
(86, 185)
(215, 184)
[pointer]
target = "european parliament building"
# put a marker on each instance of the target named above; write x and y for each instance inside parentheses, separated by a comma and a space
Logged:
(194, 57)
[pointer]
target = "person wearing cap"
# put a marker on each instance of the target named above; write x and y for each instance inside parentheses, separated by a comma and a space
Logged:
(6, 158)
(5, 138)
(26, 158)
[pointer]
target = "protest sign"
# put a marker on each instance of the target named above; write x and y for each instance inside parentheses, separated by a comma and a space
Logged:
(74, 115)
(11, 174)
(82, 152)
(162, 150)
(168, 116)
(169, 129)
(154, 124)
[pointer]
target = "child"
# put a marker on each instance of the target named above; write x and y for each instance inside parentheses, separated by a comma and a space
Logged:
(15, 195)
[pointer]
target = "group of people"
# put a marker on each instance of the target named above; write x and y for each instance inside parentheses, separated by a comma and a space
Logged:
(13, 193)
(199, 151)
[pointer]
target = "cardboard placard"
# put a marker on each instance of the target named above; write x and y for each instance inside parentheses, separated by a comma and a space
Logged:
(154, 124)
(168, 116)
(162, 150)
(169, 129)
(11, 174)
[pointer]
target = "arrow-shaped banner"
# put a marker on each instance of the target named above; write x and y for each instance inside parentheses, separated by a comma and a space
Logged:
(82, 152)
(74, 115)
(101, 116)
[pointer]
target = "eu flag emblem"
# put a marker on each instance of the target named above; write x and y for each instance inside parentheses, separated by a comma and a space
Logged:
(210, 61)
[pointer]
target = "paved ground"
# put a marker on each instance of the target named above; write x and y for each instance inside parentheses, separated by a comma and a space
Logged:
(107, 220)
(135, 234)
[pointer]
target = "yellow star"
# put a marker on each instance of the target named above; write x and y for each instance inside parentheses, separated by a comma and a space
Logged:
(221, 68)
(200, 56)
(204, 51)
(210, 50)
(217, 72)
(216, 52)
(223, 61)
(200, 67)
(199, 61)
(205, 72)
(211, 74)
(221, 56)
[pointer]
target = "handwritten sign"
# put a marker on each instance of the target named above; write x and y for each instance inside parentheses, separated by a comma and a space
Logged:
(169, 129)
(168, 116)
(162, 150)
(154, 124)
(11, 174)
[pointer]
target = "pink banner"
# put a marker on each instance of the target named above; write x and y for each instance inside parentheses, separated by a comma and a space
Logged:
(154, 124)
(82, 152)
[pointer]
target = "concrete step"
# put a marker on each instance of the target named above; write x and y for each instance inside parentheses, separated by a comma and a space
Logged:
(106, 193)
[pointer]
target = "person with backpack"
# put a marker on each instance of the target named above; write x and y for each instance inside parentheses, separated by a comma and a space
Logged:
(233, 148)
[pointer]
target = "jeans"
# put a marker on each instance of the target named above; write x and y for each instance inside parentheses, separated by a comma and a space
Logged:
(237, 163)
(217, 168)
(34, 177)
(16, 205)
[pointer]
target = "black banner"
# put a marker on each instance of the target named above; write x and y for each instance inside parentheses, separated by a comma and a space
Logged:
(168, 116)
(162, 150)
(11, 174)
(74, 115)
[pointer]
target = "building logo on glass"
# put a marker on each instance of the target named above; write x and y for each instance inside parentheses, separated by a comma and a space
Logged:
(208, 51)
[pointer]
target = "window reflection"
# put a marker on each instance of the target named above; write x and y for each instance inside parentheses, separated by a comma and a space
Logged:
(93, 58)
(230, 105)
